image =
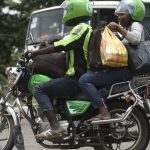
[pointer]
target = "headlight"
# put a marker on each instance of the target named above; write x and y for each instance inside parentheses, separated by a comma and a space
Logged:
(12, 74)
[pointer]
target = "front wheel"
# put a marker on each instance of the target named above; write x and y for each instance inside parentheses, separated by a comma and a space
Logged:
(133, 133)
(6, 132)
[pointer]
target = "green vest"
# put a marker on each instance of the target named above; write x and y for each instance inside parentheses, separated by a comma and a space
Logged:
(75, 35)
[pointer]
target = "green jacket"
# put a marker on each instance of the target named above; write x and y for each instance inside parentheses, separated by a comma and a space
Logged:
(76, 42)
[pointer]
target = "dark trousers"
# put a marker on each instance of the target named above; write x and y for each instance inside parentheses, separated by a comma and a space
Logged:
(60, 87)
(90, 81)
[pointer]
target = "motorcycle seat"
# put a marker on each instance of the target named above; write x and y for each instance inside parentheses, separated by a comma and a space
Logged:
(79, 95)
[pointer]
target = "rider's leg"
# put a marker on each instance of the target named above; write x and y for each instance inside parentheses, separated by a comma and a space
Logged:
(51, 116)
(45, 92)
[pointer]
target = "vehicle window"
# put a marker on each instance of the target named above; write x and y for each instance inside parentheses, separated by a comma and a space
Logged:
(45, 25)
(102, 15)
(67, 29)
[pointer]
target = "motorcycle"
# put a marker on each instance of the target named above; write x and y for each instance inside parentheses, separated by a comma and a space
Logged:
(128, 103)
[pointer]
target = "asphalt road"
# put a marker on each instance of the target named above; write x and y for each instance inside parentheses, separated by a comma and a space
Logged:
(31, 144)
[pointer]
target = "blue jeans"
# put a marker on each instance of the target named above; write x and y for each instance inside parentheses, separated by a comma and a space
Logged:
(60, 87)
(89, 82)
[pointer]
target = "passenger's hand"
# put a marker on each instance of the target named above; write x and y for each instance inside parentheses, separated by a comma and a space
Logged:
(113, 25)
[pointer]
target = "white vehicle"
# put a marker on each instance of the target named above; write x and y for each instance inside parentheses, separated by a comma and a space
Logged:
(47, 24)
(127, 129)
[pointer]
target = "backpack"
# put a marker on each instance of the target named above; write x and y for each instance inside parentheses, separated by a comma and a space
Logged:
(94, 59)
(52, 65)
(98, 59)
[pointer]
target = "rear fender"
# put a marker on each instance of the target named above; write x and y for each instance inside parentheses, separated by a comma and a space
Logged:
(140, 106)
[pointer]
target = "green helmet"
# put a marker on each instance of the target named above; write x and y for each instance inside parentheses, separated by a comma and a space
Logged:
(76, 9)
(135, 8)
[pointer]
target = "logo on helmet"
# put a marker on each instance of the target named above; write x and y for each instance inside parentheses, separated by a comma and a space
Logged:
(89, 7)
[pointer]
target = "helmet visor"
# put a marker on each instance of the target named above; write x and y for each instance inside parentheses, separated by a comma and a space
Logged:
(64, 4)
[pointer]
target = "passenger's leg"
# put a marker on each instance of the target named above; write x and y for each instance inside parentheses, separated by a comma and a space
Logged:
(89, 81)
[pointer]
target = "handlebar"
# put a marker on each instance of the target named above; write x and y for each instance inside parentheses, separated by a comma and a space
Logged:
(24, 59)
(29, 55)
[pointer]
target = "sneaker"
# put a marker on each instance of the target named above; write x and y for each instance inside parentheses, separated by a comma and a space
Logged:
(50, 134)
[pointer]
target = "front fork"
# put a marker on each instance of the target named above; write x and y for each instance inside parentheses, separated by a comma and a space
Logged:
(18, 137)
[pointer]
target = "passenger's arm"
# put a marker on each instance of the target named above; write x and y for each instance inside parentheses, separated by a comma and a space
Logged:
(135, 33)
(121, 30)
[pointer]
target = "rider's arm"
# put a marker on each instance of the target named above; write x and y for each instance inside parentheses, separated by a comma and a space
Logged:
(70, 41)
(73, 40)
(46, 50)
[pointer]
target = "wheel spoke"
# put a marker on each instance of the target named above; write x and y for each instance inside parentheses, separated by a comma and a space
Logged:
(3, 125)
(131, 122)
(3, 139)
(5, 133)
(132, 132)
(132, 137)
(118, 145)
(125, 133)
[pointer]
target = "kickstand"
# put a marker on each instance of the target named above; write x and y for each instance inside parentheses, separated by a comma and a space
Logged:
(18, 138)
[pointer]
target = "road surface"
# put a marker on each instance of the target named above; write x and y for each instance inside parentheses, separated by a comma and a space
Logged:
(31, 144)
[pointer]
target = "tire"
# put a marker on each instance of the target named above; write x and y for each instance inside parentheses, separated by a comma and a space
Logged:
(6, 133)
(100, 148)
(142, 134)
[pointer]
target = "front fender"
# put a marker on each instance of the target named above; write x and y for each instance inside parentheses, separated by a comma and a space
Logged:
(8, 110)
(18, 137)
(12, 112)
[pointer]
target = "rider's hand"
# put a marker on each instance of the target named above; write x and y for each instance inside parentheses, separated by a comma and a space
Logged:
(29, 54)
(54, 39)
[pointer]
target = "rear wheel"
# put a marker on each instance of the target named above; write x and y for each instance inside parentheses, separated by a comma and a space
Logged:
(6, 133)
(133, 133)
(100, 148)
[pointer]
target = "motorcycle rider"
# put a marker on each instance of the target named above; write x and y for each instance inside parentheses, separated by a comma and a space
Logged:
(77, 13)
(130, 13)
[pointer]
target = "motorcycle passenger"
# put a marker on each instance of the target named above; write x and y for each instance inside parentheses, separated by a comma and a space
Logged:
(130, 14)
(77, 13)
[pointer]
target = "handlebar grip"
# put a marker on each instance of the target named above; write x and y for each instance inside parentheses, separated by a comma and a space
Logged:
(29, 55)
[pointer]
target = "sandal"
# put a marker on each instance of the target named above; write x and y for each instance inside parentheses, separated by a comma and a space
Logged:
(50, 134)
(99, 117)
